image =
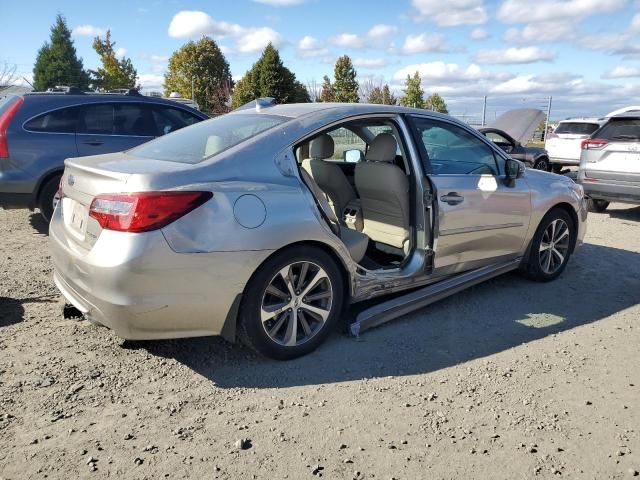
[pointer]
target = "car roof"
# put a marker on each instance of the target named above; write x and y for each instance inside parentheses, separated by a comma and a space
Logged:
(581, 120)
(296, 110)
(629, 114)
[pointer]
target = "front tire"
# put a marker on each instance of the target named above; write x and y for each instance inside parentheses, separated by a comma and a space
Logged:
(597, 206)
(48, 198)
(291, 303)
(550, 247)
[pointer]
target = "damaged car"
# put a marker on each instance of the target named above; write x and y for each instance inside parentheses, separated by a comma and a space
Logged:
(512, 130)
(263, 224)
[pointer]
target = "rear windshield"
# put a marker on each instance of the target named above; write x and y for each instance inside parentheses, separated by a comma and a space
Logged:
(623, 129)
(577, 128)
(203, 140)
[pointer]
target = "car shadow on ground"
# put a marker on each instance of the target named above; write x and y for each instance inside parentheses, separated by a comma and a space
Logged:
(632, 214)
(12, 309)
(489, 318)
(39, 224)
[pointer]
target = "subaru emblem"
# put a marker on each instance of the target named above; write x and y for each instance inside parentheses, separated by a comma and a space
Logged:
(71, 180)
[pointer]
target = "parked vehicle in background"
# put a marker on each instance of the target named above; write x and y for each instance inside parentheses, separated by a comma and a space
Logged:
(39, 130)
(252, 225)
(563, 144)
(512, 130)
(610, 162)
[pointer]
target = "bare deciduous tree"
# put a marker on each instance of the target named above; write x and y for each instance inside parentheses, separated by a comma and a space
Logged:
(8, 75)
(315, 90)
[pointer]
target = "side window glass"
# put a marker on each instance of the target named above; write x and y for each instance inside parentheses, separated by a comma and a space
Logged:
(58, 121)
(169, 119)
(132, 119)
(453, 150)
(345, 140)
(97, 119)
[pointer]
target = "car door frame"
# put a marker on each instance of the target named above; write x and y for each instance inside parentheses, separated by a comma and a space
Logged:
(429, 174)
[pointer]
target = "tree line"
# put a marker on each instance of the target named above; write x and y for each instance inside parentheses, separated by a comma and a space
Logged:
(199, 70)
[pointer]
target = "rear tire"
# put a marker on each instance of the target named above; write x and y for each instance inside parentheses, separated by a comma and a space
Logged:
(542, 164)
(551, 247)
(597, 206)
(47, 200)
(556, 168)
(291, 303)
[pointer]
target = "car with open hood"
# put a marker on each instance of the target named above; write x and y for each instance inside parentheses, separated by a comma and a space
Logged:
(512, 130)
(264, 223)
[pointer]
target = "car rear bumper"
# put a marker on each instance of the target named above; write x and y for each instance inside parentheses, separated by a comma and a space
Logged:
(611, 186)
(140, 288)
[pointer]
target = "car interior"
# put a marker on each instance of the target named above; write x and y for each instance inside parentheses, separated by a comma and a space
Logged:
(359, 173)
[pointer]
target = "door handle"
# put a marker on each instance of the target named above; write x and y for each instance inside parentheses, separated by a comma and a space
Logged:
(94, 143)
(452, 198)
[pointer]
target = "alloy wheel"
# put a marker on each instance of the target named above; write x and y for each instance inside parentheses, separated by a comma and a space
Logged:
(542, 165)
(554, 246)
(296, 303)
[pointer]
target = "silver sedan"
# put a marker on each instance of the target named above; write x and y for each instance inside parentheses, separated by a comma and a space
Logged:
(263, 224)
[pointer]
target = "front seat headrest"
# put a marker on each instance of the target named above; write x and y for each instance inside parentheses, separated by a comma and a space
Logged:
(321, 147)
(382, 148)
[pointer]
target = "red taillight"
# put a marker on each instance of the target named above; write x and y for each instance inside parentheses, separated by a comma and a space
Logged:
(5, 120)
(144, 211)
(593, 143)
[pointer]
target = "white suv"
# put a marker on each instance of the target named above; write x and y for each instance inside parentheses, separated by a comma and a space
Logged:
(610, 162)
(563, 145)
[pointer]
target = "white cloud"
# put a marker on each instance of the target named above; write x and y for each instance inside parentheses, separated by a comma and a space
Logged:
(451, 13)
(370, 62)
(447, 73)
(192, 24)
(121, 52)
(541, 33)
(622, 71)
(87, 31)
(256, 39)
(635, 23)
(479, 34)
(514, 56)
(604, 41)
(309, 47)
(150, 81)
(381, 31)
(375, 37)
(424, 42)
(159, 58)
(523, 11)
(280, 3)
(349, 40)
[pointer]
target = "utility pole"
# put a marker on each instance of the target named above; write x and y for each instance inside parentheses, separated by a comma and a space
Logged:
(484, 110)
(546, 123)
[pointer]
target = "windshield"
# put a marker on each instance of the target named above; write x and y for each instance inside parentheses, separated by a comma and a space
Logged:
(203, 140)
(577, 128)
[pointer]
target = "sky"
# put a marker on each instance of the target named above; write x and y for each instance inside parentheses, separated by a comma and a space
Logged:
(585, 54)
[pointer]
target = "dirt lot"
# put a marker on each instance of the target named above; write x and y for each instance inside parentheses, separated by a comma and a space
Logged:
(507, 380)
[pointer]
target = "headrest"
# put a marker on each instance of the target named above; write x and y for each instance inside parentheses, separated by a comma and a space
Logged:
(382, 148)
(321, 147)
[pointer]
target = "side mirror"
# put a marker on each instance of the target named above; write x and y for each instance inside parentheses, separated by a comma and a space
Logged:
(353, 156)
(514, 169)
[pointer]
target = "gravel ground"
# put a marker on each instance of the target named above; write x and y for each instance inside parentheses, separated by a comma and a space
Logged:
(509, 379)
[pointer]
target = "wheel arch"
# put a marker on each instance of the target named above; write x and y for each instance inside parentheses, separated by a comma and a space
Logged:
(574, 218)
(37, 191)
(230, 325)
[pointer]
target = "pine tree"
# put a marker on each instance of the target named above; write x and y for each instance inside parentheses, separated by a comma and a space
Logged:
(436, 103)
(326, 91)
(388, 98)
(413, 92)
(345, 85)
(114, 73)
(202, 69)
(57, 62)
(268, 77)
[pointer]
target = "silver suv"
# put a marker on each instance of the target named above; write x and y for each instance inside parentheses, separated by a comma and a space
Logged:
(610, 162)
